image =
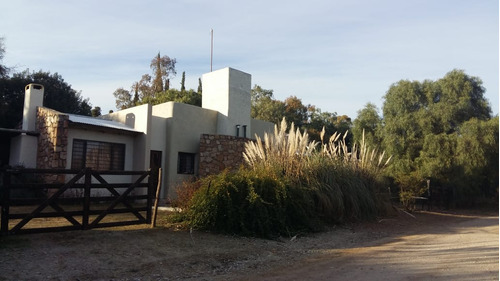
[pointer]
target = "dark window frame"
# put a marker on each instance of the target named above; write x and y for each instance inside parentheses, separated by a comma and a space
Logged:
(185, 163)
(98, 155)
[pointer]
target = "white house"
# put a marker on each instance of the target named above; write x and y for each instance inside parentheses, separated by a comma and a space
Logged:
(166, 135)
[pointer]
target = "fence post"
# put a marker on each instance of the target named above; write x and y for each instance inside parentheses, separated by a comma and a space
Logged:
(149, 203)
(5, 201)
(157, 199)
(86, 198)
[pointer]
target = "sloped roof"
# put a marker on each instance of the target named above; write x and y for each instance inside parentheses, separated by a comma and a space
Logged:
(99, 122)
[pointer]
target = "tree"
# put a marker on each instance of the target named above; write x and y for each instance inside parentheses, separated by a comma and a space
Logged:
(183, 81)
(3, 69)
(432, 130)
(58, 95)
(295, 111)
(477, 155)
(163, 69)
(146, 89)
(403, 108)
(343, 125)
(187, 97)
(123, 98)
(96, 111)
(200, 88)
(265, 107)
(369, 122)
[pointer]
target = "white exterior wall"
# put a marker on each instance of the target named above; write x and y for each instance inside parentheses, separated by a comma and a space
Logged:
(184, 125)
(139, 118)
(23, 150)
(260, 127)
(228, 92)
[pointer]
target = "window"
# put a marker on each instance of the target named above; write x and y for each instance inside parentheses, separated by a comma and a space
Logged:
(98, 155)
(185, 163)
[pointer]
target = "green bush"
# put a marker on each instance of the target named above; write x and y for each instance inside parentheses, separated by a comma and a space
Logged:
(249, 203)
(291, 186)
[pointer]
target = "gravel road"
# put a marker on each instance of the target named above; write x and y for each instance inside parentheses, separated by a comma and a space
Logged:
(434, 245)
(467, 250)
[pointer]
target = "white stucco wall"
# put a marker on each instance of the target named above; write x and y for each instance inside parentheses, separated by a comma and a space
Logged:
(23, 150)
(260, 127)
(184, 125)
(139, 118)
(228, 91)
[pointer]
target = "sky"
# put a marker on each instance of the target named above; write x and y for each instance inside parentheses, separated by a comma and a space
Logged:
(336, 55)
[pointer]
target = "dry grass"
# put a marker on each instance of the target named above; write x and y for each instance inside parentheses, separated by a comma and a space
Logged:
(291, 151)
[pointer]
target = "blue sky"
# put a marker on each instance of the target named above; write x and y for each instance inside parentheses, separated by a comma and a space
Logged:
(337, 55)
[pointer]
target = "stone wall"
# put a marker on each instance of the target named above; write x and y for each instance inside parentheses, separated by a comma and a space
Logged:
(218, 152)
(53, 140)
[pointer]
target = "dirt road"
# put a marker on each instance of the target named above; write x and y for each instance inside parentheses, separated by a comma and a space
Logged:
(431, 246)
(464, 251)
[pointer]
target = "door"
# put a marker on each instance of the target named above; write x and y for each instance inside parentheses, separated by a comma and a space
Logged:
(155, 165)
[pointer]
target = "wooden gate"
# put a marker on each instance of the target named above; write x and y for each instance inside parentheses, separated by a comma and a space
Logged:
(43, 200)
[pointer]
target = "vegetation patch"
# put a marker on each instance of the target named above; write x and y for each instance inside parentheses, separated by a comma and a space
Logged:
(291, 185)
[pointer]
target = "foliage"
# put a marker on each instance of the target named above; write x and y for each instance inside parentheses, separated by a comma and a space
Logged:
(96, 111)
(187, 97)
(291, 186)
(477, 159)
(123, 98)
(248, 203)
(156, 89)
(3, 69)
(306, 117)
(368, 122)
(163, 69)
(264, 106)
(183, 81)
(442, 130)
(58, 95)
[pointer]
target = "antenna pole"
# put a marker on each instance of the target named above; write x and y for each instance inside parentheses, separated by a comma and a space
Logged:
(211, 48)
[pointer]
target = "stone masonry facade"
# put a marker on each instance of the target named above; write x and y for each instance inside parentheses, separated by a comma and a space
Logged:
(53, 140)
(219, 152)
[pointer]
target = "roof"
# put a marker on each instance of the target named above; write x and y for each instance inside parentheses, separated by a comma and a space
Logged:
(99, 122)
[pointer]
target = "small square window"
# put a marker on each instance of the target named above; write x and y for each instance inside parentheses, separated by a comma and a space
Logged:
(185, 163)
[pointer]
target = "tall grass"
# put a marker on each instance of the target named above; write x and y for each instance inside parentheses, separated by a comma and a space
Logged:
(345, 182)
(291, 184)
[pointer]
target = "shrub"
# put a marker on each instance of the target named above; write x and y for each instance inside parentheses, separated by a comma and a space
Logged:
(249, 203)
(291, 186)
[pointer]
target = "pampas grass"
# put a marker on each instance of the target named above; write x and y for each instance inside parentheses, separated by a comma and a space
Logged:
(338, 178)
(290, 185)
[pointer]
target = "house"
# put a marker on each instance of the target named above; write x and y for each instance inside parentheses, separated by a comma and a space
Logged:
(186, 141)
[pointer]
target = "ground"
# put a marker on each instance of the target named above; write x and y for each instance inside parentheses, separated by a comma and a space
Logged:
(437, 245)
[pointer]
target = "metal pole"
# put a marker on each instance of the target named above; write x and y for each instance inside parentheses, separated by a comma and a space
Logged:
(211, 48)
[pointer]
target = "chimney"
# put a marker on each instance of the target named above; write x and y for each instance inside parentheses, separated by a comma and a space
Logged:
(23, 148)
(33, 97)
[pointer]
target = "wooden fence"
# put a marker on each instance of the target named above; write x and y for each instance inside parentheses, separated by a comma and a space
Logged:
(43, 200)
